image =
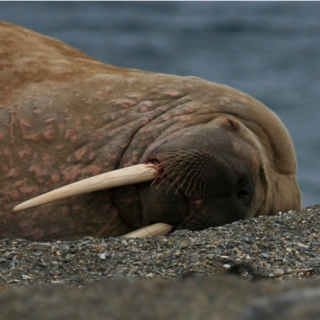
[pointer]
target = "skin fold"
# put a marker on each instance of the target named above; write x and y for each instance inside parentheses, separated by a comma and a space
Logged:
(64, 117)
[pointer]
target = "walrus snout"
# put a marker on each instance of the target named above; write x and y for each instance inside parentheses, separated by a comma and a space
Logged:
(214, 191)
(209, 175)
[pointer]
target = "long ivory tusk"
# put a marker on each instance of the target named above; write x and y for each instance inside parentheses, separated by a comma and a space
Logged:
(116, 178)
(156, 229)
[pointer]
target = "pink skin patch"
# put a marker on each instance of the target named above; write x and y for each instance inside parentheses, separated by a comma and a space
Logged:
(49, 120)
(7, 152)
(27, 190)
(173, 93)
(37, 171)
(37, 111)
(112, 133)
(224, 100)
(35, 137)
(99, 98)
(12, 173)
(125, 103)
(15, 195)
(70, 173)
(145, 121)
(147, 130)
(24, 123)
(134, 95)
(88, 118)
(94, 170)
(144, 109)
(46, 157)
(185, 119)
(19, 183)
(165, 117)
(24, 154)
(71, 135)
(80, 153)
(55, 178)
(148, 104)
(48, 134)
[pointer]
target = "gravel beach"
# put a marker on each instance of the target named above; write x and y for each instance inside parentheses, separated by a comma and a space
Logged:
(279, 247)
(275, 262)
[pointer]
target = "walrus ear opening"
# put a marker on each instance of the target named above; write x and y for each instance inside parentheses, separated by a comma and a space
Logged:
(116, 178)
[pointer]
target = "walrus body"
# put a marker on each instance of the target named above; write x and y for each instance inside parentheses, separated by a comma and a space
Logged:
(65, 116)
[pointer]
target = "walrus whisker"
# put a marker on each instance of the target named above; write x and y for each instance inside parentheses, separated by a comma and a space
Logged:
(177, 172)
(192, 182)
(116, 178)
(189, 176)
(162, 177)
(201, 187)
(181, 167)
(183, 180)
(156, 229)
(172, 185)
(176, 164)
(186, 178)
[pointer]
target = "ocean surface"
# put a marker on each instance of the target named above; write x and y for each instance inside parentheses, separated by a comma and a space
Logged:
(270, 50)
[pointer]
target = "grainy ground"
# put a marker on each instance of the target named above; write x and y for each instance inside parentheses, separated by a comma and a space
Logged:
(277, 247)
(281, 247)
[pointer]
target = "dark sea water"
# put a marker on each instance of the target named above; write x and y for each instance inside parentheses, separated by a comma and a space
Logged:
(270, 50)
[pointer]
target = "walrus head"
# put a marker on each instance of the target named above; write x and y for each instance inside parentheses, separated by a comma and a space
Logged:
(213, 174)
(210, 175)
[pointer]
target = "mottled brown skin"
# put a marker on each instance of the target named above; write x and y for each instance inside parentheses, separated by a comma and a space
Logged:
(65, 116)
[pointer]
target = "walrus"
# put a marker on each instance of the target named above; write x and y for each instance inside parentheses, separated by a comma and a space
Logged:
(215, 154)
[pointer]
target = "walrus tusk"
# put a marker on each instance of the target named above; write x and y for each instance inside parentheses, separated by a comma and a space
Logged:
(112, 179)
(156, 229)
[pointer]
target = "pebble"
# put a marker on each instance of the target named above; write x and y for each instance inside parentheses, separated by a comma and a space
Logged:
(279, 272)
(279, 247)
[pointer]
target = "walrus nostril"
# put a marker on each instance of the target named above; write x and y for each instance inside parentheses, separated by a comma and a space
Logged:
(243, 191)
(242, 194)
